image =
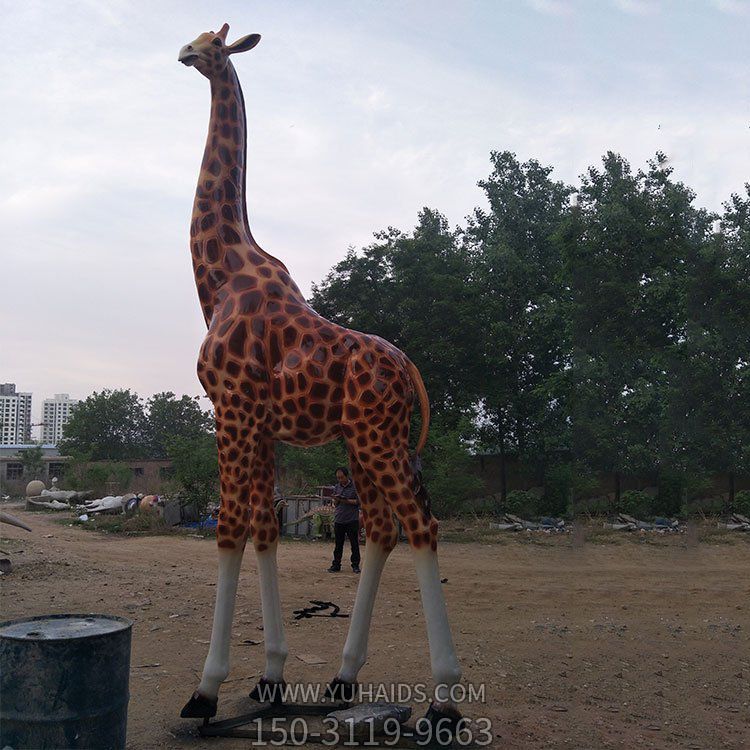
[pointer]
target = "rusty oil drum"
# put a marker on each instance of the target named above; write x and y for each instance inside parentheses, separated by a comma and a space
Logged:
(64, 682)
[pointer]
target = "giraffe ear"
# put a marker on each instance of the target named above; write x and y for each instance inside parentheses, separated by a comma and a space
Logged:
(244, 44)
(223, 32)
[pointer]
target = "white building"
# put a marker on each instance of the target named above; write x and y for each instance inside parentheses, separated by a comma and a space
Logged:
(15, 415)
(55, 415)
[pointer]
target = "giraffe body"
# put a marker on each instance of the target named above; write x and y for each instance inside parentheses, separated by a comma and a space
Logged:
(276, 370)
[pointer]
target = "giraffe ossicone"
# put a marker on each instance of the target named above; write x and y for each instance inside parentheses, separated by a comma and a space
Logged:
(276, 370)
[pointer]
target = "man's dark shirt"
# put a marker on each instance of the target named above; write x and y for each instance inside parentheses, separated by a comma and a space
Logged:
(344, 513)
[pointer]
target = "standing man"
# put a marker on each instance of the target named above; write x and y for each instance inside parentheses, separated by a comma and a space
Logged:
(345, 519)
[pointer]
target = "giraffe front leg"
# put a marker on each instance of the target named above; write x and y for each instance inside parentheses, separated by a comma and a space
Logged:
(204, 701)
(231, 533)
(264, 529)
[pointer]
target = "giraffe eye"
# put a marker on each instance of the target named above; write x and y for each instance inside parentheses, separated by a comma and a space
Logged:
(217, 42)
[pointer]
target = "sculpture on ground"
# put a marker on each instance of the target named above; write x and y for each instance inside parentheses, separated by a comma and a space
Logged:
(13, 521)
(276, 370)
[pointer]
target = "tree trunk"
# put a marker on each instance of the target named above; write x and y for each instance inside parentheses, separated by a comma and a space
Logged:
(618, 489)
(503, 475)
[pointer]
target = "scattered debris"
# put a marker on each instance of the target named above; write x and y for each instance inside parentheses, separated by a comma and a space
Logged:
(546, 524)
(41, 502)
(318, 606)
(369, 719)
(659, 525)
(737, 522)
(311, 659)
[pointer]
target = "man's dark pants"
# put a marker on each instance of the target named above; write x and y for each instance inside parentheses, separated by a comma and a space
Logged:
(341, 531)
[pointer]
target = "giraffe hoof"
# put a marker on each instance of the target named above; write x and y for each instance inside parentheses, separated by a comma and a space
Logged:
(444, 723)
(338, 690)
(268, 692)
(199, 707)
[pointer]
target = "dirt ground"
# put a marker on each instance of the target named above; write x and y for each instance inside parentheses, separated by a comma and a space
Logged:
(579, 644)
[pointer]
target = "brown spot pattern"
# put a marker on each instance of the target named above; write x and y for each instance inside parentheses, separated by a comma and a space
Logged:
(276, 370)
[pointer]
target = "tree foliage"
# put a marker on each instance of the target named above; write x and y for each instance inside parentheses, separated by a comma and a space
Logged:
(601, 328)
(170, 417)
(302, 470)
(594, 328)
(117, 425)
(196, 468)
(33, 461)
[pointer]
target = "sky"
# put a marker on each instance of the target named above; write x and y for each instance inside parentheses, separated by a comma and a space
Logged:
(359, 114)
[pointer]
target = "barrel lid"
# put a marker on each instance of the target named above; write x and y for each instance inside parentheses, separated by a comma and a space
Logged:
(62, 627)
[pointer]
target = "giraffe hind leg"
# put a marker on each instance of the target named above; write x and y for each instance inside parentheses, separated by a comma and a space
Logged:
(394, 479)
(381, 538)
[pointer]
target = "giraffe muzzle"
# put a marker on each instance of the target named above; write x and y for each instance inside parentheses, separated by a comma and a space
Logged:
(187, 56)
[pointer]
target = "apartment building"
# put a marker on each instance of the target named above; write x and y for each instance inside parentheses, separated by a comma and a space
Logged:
(55, 415)
(15, 415)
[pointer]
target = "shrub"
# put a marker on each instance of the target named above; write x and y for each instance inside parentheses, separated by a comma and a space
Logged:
(196, 469)
(599, 505)
(558, 486)
(151, 522)
(99, 477)
(703, 506)
(636, 503)
(521, 503)
(669, 499)
(742, 502)
(447, 468)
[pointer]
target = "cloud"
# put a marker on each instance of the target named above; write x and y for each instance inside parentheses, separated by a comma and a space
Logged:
(552, 7)
(639, 7)
(733, 7)
(348, 135)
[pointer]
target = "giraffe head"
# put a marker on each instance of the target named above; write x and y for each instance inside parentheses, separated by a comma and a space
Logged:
(209, 52)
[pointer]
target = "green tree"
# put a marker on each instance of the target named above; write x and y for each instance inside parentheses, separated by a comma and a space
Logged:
(517, 275)
(447, 466)
(170, 417)
(706, 421)
(360, 292)
(33, 461)
(99, 477)
(108, 425)
(304, 469)
(405, 287)
(196, 468)
(626, 247)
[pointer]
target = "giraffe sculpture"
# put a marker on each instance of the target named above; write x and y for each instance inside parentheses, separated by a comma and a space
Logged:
(276, 370)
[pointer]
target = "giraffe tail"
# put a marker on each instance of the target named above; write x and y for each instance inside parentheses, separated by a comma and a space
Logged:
(424, 405)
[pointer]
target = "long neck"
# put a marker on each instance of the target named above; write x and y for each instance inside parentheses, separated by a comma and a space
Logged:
(220, 234)
(219, 210)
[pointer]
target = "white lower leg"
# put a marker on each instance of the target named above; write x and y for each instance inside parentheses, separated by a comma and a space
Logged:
(216, 668)
(355, 648)
(445, 669)
(273, 626)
